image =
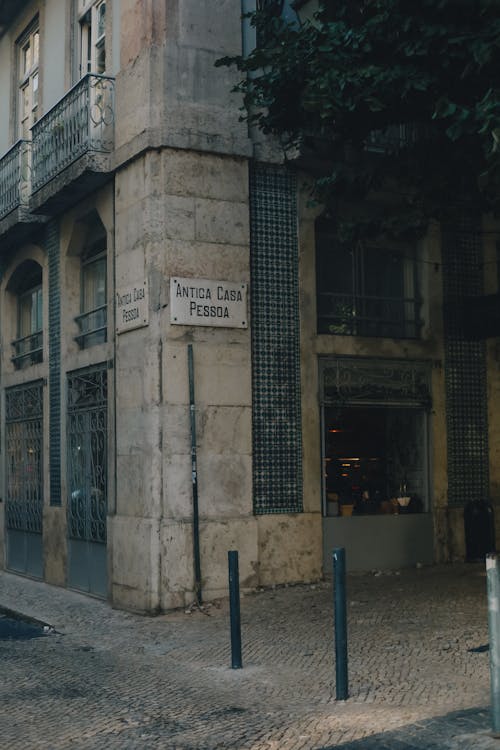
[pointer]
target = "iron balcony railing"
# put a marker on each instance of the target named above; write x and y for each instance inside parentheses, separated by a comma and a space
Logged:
(93, 327)
(357, 315)
(15, 168)
(28, 349)
(82, 122)
(396, 137)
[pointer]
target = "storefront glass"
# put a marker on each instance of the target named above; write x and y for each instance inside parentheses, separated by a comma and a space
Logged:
(375, 436)
(375, 460)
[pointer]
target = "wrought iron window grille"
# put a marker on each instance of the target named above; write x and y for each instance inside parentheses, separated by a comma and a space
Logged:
(87, 454)
(24, 443)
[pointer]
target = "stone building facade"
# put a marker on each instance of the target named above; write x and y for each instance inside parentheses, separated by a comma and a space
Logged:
(141, 225)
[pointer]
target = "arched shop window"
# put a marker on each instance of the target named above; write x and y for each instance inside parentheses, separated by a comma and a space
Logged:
(375, 436)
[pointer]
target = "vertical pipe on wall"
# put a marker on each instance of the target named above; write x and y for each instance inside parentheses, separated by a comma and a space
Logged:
(194, 479)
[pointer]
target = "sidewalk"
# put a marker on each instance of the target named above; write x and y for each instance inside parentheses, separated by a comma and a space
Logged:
(109, 679)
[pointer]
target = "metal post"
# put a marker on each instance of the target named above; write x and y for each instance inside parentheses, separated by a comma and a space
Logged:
(342, 691)
(493, 588)
(194, 479)
(234, 607)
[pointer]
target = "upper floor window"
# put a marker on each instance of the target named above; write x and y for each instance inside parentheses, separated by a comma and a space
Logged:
(365, 290)
(28, 48)
(92, 19)
(27, 285)
(92, 320)
(274, 9)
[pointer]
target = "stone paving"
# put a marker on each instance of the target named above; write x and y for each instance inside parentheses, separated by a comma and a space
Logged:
(110, 679)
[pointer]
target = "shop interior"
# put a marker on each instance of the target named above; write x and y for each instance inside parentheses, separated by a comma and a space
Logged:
(375, 460)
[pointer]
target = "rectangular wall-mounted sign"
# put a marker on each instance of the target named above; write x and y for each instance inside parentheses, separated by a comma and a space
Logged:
(203, 302)
(132, 307)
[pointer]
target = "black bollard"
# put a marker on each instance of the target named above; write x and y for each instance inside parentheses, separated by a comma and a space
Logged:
(340, 624)
(234, 606)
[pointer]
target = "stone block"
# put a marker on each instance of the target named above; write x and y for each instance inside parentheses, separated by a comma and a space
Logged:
(203, 128)
(289, 547)
(55, 545)
(179, 217)
(178, 486)
(134, 487)
(213, 26)
(130, 265)
(197, 78)
(131, 185)
(222, 373)
(225, 430)
(177, 429)
(137, 431)
(134, 354)
(135, 549)
(204, 260)
(222, 222)
(204, 175)
(217, 538)
(177, 566)
(224, 485)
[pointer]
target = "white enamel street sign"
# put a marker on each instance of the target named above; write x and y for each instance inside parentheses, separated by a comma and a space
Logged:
(203, 302)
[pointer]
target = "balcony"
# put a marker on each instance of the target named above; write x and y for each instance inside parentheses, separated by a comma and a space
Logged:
(93, 327)
(15, 187)
(368, 315)
(28, 350)
(72, 146)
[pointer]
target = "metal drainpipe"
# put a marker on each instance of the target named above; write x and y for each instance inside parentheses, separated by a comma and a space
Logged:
(194, 479)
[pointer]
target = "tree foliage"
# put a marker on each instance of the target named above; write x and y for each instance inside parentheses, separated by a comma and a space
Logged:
(390, 98)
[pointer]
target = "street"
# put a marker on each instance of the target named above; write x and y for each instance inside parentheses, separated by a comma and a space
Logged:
(110, 679)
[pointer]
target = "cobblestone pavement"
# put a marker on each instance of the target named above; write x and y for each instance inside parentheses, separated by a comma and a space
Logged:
(110, 679)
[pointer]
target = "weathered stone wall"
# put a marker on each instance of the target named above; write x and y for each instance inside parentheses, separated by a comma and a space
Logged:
(168, 91)
(183, 214)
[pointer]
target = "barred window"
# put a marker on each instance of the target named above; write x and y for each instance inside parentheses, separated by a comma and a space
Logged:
(365, 290)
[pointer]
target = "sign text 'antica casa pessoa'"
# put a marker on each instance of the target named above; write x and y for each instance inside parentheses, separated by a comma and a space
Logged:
(203, 302)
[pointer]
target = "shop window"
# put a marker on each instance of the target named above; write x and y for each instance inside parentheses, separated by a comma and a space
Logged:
(92, 27)
(375, 460)
(27, 284)
(28, 48)
(365, 290)
(92, 320)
